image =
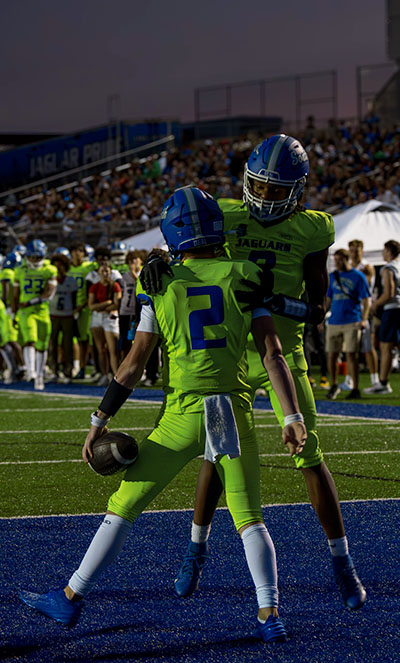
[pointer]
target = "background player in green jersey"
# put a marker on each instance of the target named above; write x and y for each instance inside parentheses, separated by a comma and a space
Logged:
(11, 350)
(79, 269)
(34, 285)
(207, 405)
(271, 228)
(118, 257)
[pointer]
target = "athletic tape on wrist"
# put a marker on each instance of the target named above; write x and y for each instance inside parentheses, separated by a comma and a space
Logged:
(114, 398)
(293, 418)
(98, 422)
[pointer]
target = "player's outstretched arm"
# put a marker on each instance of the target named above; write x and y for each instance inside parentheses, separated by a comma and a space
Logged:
(294, 433)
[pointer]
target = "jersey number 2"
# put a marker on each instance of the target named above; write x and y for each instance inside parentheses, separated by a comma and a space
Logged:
(212, 315)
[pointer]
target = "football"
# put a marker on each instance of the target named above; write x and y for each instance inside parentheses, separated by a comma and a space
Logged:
(112, 452)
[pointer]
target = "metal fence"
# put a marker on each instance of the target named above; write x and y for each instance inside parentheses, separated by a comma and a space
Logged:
(292, 98)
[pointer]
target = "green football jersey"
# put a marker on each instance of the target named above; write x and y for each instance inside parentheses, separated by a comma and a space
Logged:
(281, 248)
(33, 281)
(79, 273)
(204, 331)
(8, 275)
(122, 269)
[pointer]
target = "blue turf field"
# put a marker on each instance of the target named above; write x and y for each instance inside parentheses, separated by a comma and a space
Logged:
(134, 615)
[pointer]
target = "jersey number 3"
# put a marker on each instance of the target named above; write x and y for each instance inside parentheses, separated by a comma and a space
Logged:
(212, 315)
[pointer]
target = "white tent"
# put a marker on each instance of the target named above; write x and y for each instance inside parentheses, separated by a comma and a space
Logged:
(147, 240)
(374, 222)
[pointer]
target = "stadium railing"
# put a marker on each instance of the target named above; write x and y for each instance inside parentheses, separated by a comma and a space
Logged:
(71, 178)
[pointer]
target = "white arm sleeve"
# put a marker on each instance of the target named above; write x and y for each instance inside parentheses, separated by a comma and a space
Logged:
(148, 321)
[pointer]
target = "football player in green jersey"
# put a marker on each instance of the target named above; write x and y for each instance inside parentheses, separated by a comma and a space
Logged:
(79, 269)
(118, 257)
(271, 228)
(11, 350)
(207, 405)
(34, 285)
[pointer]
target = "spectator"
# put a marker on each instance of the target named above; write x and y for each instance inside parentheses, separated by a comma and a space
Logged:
(62, 308)
(104, 300)
(389, 330)
(128, 309)
(348, 298)
(102, 256)
(356, 247)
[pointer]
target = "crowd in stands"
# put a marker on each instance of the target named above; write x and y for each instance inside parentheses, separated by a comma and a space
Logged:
(349, 164)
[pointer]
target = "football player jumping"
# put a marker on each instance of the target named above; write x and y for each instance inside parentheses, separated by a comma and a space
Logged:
(271, 228)
(34, 285)
(204, 333)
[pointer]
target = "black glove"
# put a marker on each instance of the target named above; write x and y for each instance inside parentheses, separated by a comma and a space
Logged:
(152, 273)
(254, 296)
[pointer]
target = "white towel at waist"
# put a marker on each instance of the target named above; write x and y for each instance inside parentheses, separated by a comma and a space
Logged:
(221, 430)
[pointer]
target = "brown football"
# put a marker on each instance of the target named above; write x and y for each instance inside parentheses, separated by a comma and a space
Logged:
(113, 452)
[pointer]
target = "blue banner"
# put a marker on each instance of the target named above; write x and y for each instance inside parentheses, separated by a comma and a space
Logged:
(39, 160)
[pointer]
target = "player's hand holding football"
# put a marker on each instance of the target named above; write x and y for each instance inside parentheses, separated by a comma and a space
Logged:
(92, 435)
(294, 436)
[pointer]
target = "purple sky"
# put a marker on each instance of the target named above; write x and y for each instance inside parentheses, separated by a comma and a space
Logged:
(59, 61)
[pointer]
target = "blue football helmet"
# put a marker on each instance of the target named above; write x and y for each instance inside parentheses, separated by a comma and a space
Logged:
(63, 251)
(274, 178)
(20, 248)
(36, 252)
(118, 252)
(89, 250)
(191, 219)
(12, 260)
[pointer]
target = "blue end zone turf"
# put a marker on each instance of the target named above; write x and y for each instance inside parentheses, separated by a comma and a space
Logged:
(134, 615)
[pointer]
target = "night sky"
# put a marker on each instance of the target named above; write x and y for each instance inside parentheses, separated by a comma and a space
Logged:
(60, 61)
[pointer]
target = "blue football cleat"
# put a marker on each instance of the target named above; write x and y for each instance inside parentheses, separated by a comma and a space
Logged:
(350, 586)
(189, 574)
(54, 604)
(272, 630)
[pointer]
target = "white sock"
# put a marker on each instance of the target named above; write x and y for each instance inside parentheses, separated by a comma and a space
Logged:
(29, 353)
(260, 555)
(200, 533)
(6, 359)
(349, 381)
(374, 378)
(104, 548)
(41, 358)
(76, 365)
(339, 547)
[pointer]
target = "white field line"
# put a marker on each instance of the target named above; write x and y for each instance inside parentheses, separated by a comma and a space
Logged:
(67, 430)
(280, 455)
(221, 508)
(128, 406)
(29, 394)
(257, 411)
(137, 405)
(81, 430)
